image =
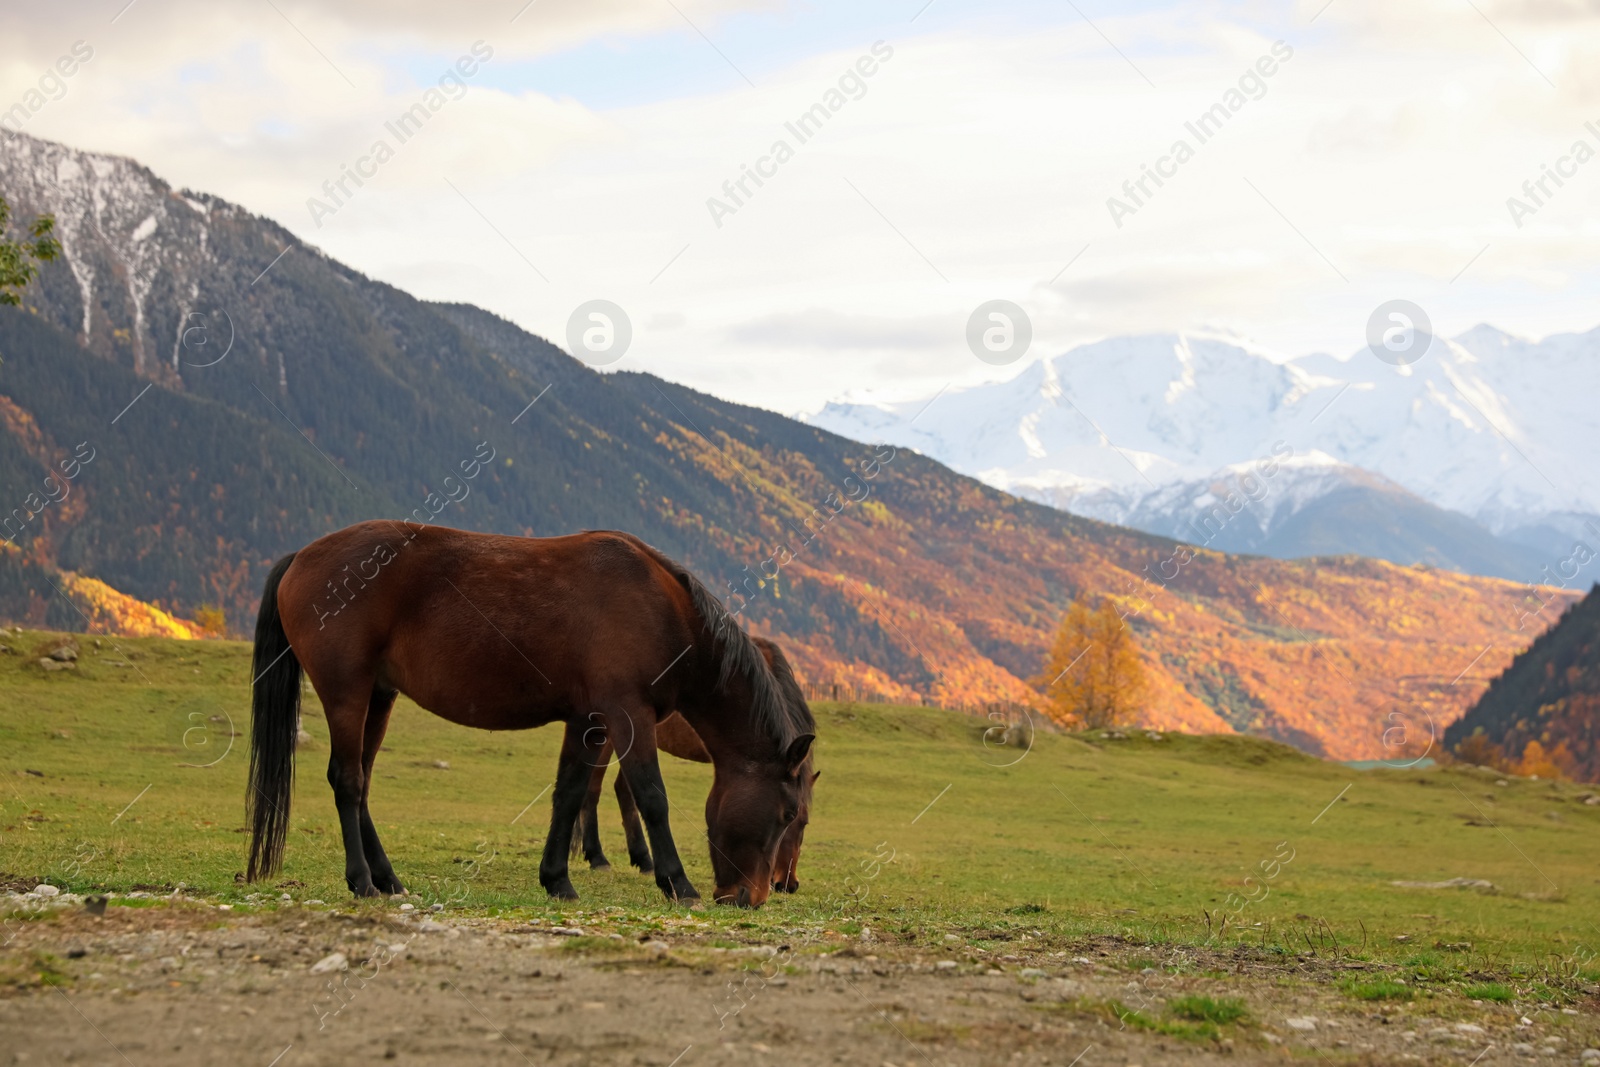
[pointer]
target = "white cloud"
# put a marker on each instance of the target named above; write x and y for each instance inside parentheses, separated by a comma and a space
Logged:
(981, 157)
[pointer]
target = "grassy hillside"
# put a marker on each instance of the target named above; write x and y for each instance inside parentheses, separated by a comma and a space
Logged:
(1134, 837)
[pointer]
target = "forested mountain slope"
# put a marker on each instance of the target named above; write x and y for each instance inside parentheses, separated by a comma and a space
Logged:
(1550, 694)
(243, 394)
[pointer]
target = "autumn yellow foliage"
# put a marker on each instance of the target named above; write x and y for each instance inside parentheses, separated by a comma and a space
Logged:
(1539, 762)
(1093, 677)
(108, 611)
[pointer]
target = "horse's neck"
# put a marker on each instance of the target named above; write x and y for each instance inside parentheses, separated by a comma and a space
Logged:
(725, 727)
(675, 736)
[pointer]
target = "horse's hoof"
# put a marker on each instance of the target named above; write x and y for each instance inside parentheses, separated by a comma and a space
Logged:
(602, 866)
(562, 890)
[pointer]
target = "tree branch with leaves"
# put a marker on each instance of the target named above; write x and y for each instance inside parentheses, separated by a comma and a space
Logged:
(20, 259)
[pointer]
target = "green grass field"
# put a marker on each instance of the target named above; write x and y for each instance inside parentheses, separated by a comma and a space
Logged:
(919, 831)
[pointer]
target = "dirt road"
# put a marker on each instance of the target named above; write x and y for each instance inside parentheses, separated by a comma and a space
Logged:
(189, 984)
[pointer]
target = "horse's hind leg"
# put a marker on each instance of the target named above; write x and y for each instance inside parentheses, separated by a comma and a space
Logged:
(638, 846)
(587, 829)
(580, 750)
(378, 709)
(347, 774)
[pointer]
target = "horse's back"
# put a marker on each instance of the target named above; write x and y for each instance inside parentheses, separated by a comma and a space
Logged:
(402, 564)
(560, 620)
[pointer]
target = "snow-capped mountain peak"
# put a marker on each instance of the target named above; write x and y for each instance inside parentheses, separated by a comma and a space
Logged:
(1486, 424)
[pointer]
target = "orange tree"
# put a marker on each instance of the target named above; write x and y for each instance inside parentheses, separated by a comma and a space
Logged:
(1093, 676)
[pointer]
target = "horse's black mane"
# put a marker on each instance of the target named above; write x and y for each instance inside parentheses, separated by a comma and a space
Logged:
(778, 704)
(794, 697)
(783, 717)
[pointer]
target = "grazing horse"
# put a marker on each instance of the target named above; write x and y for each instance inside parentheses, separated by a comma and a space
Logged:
(677, 737)
(596, 630)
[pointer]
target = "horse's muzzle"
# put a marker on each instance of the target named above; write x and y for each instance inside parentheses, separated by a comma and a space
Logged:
(740, 896)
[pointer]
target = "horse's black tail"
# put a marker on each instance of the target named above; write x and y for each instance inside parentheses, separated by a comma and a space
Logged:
(274, 725)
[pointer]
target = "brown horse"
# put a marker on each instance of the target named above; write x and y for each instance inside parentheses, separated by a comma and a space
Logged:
(596, 630)
(676, 737)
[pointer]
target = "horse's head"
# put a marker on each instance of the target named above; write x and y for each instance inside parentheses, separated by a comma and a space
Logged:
(751, 811)
(786, 871)
(751, 854)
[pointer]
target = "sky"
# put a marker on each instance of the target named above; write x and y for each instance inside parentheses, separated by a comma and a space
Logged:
(1360, 151)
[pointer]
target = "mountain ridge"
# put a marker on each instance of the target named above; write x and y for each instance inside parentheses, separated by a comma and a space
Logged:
(342, 398)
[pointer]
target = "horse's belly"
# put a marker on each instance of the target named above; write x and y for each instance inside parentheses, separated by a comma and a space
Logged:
(479, 703)
(491, 716)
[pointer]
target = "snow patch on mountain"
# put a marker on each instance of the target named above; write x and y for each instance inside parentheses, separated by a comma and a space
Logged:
(1487, 424)
(127, 238)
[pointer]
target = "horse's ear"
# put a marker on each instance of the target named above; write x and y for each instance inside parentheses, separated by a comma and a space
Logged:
(798, 749)
(814, 777)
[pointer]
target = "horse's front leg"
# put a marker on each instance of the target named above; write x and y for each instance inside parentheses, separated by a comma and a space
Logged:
(581, 747)
(643, 772)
